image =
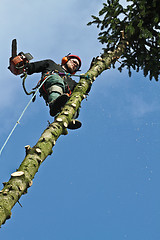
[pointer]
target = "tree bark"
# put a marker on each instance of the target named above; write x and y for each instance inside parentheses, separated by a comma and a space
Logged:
(21, 180)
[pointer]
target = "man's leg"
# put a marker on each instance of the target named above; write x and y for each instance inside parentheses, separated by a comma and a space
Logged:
(55, 88)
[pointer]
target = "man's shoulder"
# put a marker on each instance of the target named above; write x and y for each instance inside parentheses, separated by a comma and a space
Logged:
(54, 66)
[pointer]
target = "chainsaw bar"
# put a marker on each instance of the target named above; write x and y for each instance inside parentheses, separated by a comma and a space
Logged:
(14, 48)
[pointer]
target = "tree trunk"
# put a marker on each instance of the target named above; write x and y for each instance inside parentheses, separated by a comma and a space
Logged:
(22, 178)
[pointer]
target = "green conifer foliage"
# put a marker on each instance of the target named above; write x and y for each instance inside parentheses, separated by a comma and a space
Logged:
(140, 21)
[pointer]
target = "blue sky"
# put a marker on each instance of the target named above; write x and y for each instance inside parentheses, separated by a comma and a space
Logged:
(102, 181)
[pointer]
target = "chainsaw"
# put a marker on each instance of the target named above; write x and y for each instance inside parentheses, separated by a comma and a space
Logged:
(17, 61)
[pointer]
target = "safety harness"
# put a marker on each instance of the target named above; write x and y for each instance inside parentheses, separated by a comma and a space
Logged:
(54, 88)
(43, 91)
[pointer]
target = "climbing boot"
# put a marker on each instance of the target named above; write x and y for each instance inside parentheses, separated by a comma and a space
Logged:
(74, 124)
(56, 105)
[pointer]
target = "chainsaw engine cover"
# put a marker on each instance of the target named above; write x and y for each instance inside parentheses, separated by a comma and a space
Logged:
(17, 64)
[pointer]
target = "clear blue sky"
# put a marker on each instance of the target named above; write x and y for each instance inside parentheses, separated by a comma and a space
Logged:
(102, 181)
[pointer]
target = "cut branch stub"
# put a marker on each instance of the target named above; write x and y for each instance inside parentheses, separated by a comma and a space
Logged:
(17, 174)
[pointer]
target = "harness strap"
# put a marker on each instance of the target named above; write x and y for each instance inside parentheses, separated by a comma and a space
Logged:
(69, 90)
(43, 79)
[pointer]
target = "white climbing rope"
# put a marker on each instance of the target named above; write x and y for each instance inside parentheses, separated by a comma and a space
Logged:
(18, 121)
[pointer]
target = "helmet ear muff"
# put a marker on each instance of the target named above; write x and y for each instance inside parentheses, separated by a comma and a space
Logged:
(64, 60)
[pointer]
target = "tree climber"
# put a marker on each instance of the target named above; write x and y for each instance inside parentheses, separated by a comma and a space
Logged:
(58, 86)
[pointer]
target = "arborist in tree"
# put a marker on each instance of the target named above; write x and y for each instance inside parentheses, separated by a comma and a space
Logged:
(58, 86)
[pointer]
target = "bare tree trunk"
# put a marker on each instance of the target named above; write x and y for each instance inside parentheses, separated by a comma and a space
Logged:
(22, 178)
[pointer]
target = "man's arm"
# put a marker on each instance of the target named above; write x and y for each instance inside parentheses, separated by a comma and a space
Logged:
(39, 66)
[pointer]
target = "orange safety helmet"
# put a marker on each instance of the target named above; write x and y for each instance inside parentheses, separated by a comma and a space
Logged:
(68, 57)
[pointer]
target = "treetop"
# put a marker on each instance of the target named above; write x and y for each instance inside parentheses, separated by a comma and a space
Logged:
(140, 21)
